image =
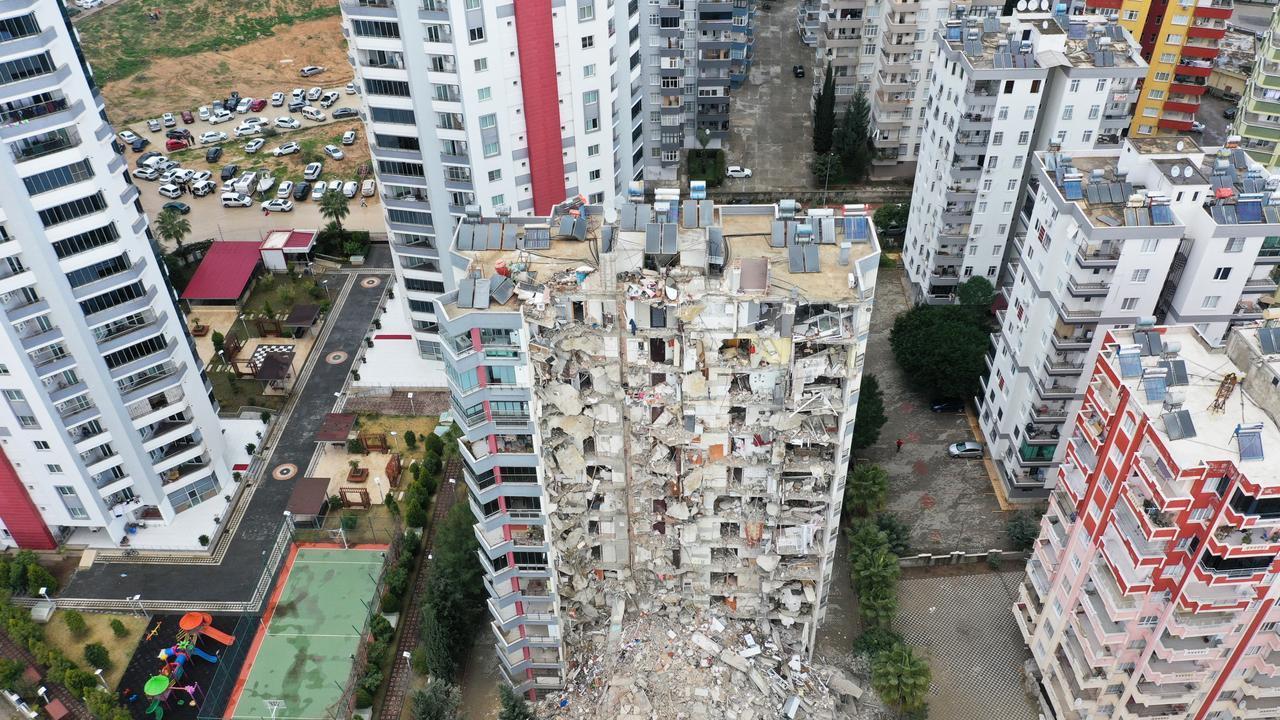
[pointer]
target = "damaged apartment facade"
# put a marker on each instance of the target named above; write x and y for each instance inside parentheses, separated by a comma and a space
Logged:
(658, 403)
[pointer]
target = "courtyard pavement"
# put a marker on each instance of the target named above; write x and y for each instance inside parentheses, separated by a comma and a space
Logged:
(770, 121)
(965, 627)
(949, 504)
(235, 578)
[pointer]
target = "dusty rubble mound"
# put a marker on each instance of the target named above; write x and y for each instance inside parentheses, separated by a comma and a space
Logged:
(705, 668)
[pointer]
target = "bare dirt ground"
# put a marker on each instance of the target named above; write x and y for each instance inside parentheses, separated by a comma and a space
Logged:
(255, 69)
(289, 167)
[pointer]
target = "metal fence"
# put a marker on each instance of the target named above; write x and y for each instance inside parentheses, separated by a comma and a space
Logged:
(230, 663)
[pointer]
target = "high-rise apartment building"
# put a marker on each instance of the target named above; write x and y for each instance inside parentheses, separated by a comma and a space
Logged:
(1151, 590)
(106, 419)
(1180, 42)
(1105, 238)
(1258, 117)
(515, 106)
(1003, 87)
(658, 402)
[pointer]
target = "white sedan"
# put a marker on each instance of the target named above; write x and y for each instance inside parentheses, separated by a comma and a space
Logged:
(247, 130)
(212, 136)
(128, 137)
(278, 205)
(288, 148)
(277, 99)
(288, 122)
(334, 152)
(285, 189)
(737, 171)
(254, 145)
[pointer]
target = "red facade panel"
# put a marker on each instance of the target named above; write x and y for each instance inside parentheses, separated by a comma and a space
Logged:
(541, 102)
(20, 515)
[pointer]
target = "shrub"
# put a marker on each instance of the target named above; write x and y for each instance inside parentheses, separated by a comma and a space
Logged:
(250, 447)
(708, 165)
(397, 580)
(118, 628)
(364, 699)
(355, 446)
(381, 628)
(96, 655)
(349, 521)
(416, 516)
(76, 624)
(418, 660)
(431, 465)
(433, 443)
(411, 439)
(77, 681)
(203, 540)
(411, 543)
(265, 417)
(1022, 529)
(10, 672)
(875, 640)
(391, 603)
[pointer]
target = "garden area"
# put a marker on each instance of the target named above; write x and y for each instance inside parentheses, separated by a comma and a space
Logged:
(708, 165)
(65, 668)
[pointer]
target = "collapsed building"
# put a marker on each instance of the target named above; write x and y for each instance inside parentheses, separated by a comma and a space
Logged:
(658, 401)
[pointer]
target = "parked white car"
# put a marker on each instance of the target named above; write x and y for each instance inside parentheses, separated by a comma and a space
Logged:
(221, 116)
(247, 130)
(367, 187)
(236, 200)
(170, 191)
(288, 122)
(315, 93)
(334, 152)
(312, 171)
(349, 137)
(278, 205)
(212, 136)
(277, 99)
(349, 188)
(288, 148)
(128, 137)
(285, 189)
(254, 145)
(318, 190)
(737, 171)
(203, 112)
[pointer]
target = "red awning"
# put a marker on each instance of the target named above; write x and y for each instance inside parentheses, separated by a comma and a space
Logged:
(300, 240)
(336, 427)
(224, 272)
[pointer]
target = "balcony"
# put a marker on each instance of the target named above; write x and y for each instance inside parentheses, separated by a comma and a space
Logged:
(1097, 256)
(46, 144)
(512, 640)
(186, 471)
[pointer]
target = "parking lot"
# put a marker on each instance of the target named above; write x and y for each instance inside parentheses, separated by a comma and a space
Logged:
(1216, 127)
(949, 504)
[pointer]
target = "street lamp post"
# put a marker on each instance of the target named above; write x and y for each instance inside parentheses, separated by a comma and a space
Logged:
(410, 395)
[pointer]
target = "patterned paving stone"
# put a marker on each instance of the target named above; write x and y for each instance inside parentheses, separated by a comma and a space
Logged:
(973, 643)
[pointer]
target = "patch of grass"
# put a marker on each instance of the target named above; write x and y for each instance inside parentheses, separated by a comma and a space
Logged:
(282, 292)
(233, 393)
(120, 648)
(120, 40)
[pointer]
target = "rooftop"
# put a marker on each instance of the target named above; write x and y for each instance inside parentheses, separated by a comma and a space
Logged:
(997, 42)
(1177, 380)
(1107, 196)
(757, 249)
(225, 271)
(1244, 192)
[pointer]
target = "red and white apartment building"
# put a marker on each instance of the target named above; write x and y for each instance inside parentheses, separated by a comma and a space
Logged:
(1151, 590)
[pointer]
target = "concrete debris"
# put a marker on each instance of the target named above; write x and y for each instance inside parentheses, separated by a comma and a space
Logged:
(704, 667)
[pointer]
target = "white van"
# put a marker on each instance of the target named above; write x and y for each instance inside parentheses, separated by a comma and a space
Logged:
(236, 200)
(311, 113)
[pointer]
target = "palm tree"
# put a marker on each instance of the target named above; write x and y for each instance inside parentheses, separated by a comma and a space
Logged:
(333, 206)
(878, 607)
(879, 568)
(867, 489)
(901, 678)
(172, 227)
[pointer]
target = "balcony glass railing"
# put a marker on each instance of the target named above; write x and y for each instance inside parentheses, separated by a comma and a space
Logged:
(44, 144)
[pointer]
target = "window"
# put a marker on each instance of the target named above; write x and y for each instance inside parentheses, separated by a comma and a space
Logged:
(484, 93)
(1086, 136)
(395, 88)
(14, 395)
(1148, 620)
(997, 138)
(495, 175)
(1173, 39)
(1024, 137)
(593, 150)
(4, 369)
(1068, 111)
(481, 64)
(1222, 273)
(476, 34)
(1168, 57)
(589, 70)
(1235, 245)
(375, 28)
(488, 122)
(1156, 94)
(1102, 85)
(42, 445)
(492, 148)
(497, 200)
(991, 271)
(1162, 77)
(26, 67)
(391, 115)
(1029, 112)
(588, 42)
(1129, 303)
(78, 171)
(593, 175)
(1150, 245)
(473, 4)
(75, 209)
(1210, 302)
(586, 12)
(56, 469)
(1140, 275)
(1094, 111)
(1075, 86)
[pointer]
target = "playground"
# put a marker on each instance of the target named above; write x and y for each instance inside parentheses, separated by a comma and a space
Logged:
(301, 662)
(175, 664)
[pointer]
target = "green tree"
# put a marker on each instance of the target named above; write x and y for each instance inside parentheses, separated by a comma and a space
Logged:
(892, 216)
(877, 569)
(1022, 529)
(896, 532)
(453, 604)
(433, 443)
(866, 490)
(411, 439)
(824, 114)
(76, 624)
(901, 678)
(512, 706)
(96, 655)
(860, 162)
(825, 167)
(977, 292)
(439, 700)
(940, 349)
(874, 640)
(172, 227)
(878, 606)
(870, 416)
(334, 207)
(219, 341)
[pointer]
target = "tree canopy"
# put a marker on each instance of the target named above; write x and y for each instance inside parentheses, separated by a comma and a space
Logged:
(901, 678)
(976, 292)
(824, 114)
(892, 216)
(940, 349)
(454, 600)
(870, 416)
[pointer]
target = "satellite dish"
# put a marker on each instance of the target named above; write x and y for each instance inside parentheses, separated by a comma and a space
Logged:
(1176, 171)
(1044, 24)
(1044, 4)
(1022, 5)
(1188, 170)
(1181, 146)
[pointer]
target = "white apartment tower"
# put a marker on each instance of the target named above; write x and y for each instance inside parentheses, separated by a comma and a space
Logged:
(1160, 228)
(496, 105)
(106, 419)
(658, 402)
(1003, 87)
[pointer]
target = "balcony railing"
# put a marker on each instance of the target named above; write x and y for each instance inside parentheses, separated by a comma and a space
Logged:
(25, 150)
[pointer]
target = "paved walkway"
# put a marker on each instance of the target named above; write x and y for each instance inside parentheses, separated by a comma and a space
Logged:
(235, 578)
(12, 651)
(967, 629)
(948, 503)
(393, 702)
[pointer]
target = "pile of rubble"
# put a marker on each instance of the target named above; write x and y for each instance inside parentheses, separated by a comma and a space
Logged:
(703, 668)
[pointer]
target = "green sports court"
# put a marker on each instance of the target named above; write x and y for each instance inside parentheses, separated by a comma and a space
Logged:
(302, 655)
